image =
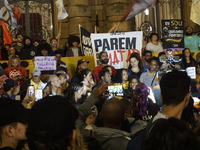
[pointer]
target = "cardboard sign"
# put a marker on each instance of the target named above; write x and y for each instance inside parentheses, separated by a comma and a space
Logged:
(119, 46)
(45, 63)
(173, 35)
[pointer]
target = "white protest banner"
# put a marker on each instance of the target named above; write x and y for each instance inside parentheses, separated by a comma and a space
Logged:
(45, 63)
(119, 46)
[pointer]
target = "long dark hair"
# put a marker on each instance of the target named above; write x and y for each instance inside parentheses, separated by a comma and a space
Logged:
(118, 76)
(183, 54)
(137, 56)
(192, 60)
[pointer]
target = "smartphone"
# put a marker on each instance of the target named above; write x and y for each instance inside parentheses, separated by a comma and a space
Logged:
(115, 90)
(196, 99)
(38, 95)
(31, 91)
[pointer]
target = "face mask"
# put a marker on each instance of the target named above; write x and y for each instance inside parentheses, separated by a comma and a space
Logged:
(105, 61)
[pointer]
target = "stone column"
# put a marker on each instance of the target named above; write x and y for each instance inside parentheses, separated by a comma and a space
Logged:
(79, 13)
(115, 9)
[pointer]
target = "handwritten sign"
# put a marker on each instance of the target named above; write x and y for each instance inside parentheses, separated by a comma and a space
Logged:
(191, 71)
(45, 63)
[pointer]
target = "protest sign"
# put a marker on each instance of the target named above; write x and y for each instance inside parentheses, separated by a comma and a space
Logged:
(86, 43)
(173, 35)
(191, 71)
(45, 63)
(119, 46)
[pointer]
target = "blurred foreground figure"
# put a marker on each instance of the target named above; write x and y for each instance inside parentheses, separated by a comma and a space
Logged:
(12, 124)
(170, 134)
(52, 124)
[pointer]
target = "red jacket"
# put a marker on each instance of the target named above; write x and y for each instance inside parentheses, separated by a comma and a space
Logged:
(98, 68)
(12, 72)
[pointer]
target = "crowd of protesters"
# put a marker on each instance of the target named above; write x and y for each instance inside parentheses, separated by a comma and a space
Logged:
(156, 106)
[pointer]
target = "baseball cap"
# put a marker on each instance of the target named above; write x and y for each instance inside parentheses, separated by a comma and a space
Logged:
(8, 83)
(82, 61)
(36, 72)
(11, 111)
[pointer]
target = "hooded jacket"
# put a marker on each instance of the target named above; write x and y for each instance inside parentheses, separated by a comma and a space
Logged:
(106, 138)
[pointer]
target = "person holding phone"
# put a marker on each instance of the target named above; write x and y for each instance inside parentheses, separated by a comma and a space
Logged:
(53, 86)
(35, 81)
(15, 71)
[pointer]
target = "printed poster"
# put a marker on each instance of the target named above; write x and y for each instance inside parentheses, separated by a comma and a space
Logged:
(173, 35)
(86, 43)
(119, 46)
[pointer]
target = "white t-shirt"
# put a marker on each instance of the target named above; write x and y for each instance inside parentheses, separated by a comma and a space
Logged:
(75, 51)
(154, 48)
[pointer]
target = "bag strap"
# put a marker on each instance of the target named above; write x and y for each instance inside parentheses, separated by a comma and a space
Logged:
(153, 79)
(149, 124)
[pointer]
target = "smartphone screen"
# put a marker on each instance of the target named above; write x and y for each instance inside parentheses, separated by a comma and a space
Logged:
(38, 95)
(31, 91)
(115, 90)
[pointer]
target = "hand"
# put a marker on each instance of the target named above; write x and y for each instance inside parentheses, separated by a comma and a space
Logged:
(99, 92)
(91, 119)
(114, 27)
(16, 90)
(33, 60)
(20, 77)
(164, 65)
(15, 78)
(197, 105)
(28, 101)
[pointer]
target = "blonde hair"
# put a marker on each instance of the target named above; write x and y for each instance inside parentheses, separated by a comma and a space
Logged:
(11, 58)
(79, 143)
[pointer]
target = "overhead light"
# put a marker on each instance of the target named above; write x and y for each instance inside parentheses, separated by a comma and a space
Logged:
(146, 11)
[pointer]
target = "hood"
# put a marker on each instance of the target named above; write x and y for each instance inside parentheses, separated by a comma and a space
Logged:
(103, 134)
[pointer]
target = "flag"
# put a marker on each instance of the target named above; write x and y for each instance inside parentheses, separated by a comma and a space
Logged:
(6, 14)
(6, 35)
(137, 7)
(62, 13)
(195, 11)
